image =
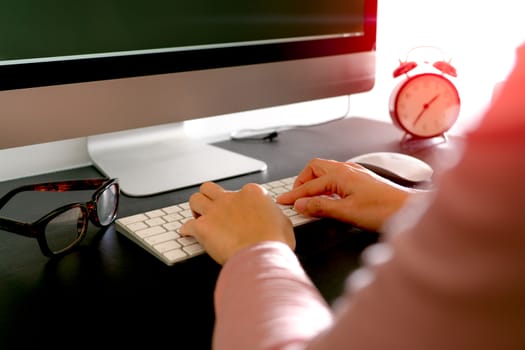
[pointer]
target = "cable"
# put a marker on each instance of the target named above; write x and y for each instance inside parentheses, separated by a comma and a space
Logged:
(271, 133)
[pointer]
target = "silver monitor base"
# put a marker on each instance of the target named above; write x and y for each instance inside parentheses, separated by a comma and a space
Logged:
(154, 160)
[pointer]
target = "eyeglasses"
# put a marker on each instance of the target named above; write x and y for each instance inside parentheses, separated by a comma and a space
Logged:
(59, 231)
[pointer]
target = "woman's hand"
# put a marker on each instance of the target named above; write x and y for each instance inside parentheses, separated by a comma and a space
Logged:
(345, 191)
(226, 222)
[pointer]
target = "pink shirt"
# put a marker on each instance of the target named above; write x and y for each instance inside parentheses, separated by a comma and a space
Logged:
(454, 280)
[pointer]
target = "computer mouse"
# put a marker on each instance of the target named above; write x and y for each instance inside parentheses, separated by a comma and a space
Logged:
(400, 168)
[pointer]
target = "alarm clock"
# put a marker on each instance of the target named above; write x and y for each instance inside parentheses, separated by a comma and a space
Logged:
(424, 105)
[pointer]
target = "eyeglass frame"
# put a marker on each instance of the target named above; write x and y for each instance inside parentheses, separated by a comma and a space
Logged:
(36, 229)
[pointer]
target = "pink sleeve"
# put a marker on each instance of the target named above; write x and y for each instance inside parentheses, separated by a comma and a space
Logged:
(455, 279)
(264, 300)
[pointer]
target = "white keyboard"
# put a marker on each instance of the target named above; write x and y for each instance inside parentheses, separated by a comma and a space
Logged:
(157, 230)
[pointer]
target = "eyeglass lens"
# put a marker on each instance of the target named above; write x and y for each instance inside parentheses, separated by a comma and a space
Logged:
(65, 229)
(107, 205)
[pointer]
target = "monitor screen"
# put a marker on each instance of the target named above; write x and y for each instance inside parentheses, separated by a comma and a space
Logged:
(116, 72)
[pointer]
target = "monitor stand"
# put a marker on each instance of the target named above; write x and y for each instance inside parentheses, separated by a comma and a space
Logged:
(159, 159)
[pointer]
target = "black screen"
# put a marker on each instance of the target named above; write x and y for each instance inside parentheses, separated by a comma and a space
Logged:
(36, 29)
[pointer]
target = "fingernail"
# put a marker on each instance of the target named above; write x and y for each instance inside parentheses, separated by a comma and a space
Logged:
(300, 204)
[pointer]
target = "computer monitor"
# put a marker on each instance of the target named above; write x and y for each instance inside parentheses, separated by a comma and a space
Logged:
(118, 73)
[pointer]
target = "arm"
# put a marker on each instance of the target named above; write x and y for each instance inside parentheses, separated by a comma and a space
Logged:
(264, 300)
(453, 280)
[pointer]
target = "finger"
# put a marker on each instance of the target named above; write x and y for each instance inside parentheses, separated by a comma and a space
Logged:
(211, 190)
(315, 187)
(303, 177)
(317, 167)
(255, 188)
(188, 228)
(199, 204)
(308, 173)
(322, 206)
(191, 228)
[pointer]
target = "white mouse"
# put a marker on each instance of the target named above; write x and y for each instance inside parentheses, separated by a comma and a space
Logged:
(398, 167)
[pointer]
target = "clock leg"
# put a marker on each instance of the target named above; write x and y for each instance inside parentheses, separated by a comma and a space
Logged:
(411, 143)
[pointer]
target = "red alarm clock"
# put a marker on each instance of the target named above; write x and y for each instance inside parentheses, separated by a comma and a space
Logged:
(424, 105)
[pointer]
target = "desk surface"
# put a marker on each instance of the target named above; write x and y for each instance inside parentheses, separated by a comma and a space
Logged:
(111, 292)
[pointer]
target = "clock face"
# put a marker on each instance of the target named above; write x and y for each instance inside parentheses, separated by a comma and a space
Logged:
(425, 105)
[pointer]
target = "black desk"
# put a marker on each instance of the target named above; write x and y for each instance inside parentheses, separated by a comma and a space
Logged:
(112, 293)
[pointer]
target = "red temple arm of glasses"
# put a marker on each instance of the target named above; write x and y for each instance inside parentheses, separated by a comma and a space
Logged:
(58, 186)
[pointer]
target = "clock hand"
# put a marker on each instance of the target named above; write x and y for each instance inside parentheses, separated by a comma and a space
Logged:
(425, 107)
(431, 101)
